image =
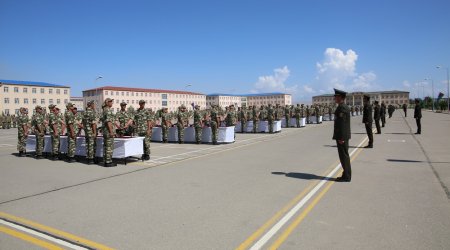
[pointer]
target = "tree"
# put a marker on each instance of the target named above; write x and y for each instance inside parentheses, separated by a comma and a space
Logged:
(443, 104)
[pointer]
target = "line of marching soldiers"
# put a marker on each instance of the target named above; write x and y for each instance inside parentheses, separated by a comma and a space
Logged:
(8, 121)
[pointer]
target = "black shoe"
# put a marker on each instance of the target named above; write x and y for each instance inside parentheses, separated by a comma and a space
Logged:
(417, 133)
(215, 143)
(145, 157)
(164, 141)
(90, 162)
(71, 159)
(21, 154)
(110, 164)
(342, 179)
(198, 142)
(54, 158)
(38, 157)
(369, 146)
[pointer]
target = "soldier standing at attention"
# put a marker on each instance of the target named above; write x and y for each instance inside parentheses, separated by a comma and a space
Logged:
(308, 113)
(182, 122)
(286, 115)
(377, 116)
(8, 121)
(22, 131)
(53, 121)
(418, 116)
(242, 118)
(215, 121)
(270, 118)
(198, 124)
(317, 112)
(39, 128)
(383, 114)
(367, 120)
(108, 119)
(71, 133)
(90, 131)
(297, 112)
(404, 108)
(165, 124)
(342, 134)
(255, 118)
(124, 120)
(143, 120)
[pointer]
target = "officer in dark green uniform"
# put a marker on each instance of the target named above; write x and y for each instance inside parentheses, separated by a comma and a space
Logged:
(342, 134)
(368, 120)
(418, 116)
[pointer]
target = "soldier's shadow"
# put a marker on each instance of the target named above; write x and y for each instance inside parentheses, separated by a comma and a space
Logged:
(303, 176)
(334, 146)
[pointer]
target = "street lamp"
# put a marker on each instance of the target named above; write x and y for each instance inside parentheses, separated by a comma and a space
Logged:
(448, 86)
(432, 91)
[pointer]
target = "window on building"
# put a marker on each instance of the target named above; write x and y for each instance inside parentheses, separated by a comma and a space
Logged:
(128, 93)
(117, 92)
(16, 89)
(164, 103)
(50, 91)
(6, 111)
(25, 100)
(34, 100)
(33, 90)
(123, 93)
(6, 100)
(43, 101)
(16, 111)
(117, 109)
(5, 89)
(50, 101)
(132, 102)
(128, 101)
(25, 90)
(142, 94)
(145, 94)
(65, 92)
(106, 92)
(42, 90)
(58, 101)
(58, 91)
(132, 93)
(164, 96)
(16, 100)
(66, 101)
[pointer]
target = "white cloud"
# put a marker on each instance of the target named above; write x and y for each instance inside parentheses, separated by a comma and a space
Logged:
(308, 89)
(338, 70)
(275, 82)
(406, 84)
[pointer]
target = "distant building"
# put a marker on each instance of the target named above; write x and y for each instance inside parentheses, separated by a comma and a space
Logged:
(78, 102)
(394, 97)
(15, 94)
(155, 98)
(248, 99)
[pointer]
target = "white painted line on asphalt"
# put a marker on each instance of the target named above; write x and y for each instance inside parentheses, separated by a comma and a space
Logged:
(43, 236)
(6, 145)
(259, 244)
(389, 140)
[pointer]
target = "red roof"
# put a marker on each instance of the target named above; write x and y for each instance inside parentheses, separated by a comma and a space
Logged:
(143, 90)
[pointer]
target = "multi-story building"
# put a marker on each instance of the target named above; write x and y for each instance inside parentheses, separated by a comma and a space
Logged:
(78, 102)
(16, 94)
(393, 97)
(155, 98)
(248, 99)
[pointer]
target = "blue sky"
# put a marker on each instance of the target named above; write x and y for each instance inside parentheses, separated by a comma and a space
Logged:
(301, 47)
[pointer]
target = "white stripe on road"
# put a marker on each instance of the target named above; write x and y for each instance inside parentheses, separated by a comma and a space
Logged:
(43, 236)
(259, 244)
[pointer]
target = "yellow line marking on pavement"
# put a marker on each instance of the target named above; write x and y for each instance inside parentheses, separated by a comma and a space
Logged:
(305, 212)
(54, 231)
(30, 239)
(280, 213)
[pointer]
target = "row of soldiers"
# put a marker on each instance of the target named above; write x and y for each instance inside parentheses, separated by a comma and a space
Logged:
(8, 121)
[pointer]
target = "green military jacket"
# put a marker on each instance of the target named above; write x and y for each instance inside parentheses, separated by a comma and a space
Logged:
(22, 120)
(342, 123)
(141, 117)
(182, 118)
(108, 116)
(89, 118)
(123, 117)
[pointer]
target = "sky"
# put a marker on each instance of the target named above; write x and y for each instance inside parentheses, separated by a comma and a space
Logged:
(301, 47)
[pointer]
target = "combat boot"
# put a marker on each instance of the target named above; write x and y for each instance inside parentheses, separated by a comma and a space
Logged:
(110, 164)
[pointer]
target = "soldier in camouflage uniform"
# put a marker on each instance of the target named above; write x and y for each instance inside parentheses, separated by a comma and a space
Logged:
(297, 112)
(22, 131)
(108, 119)
(242, 118)
(165, 124)
(270, 118)
(124, 121)
(53, 121)
(14, 121)
(8, 121)
(39, 126)
(287, 117)
(308, 114)
(182, 122)
(90, 131)
(198, 124)
(215, 122)
(230, 117)
(143, 120)
(69, 117)
(317, 113)
(255, 118)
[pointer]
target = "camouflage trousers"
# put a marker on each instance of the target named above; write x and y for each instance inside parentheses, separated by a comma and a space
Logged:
(287, 121)
(297, 120)
(108, 148)
(180, 133)
(255, 125)
(71, 146)
(165, 131)
(317, 119)
(91, 142)
(147, 139)
(243, 127)
(55, 144)
(39, 144)
(214, 132)
(22, 141)
(198, 133)
(270, 123)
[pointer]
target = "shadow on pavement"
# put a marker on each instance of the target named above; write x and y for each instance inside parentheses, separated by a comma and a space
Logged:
(303, 176)
(414, 161)
(334, 146)
(399, 133)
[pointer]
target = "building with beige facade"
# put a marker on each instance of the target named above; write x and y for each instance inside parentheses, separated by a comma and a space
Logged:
(155, 98)
(77, 102)
(393, 97)
(248, 99)
(16, 94)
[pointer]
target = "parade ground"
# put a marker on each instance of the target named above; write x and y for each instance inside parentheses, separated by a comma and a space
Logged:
(265, 191)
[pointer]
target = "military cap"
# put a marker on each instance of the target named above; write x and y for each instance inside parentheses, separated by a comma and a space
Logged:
(366, 97)
(338, 92)
(69, 105)
(123, 104)
(376, 102)
(38, 107)
(108, 100)
(141, 101)
(51, 106)
(182, 106)
(89, 103)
